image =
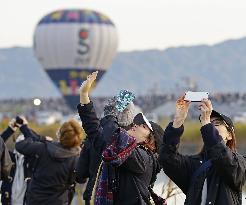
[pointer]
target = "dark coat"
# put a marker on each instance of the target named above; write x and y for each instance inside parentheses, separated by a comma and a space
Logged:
(138, 172)
(29, 163)
(90, 156)
(7, 181)
(134, 176)
(225, 177)
(52, 176)
(87, 167)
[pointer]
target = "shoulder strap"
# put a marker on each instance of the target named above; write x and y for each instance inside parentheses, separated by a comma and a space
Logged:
(72, 175)
(156, 169)
(204, 167)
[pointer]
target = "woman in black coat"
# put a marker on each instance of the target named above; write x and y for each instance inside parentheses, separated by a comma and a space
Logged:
(54, 173)
(217, 174)
(129, 179)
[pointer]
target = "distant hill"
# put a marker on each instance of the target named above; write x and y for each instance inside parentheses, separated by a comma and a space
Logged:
(218, 68)
(21, 76)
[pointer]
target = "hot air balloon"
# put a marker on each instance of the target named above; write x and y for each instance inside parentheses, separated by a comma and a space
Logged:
(70, 44)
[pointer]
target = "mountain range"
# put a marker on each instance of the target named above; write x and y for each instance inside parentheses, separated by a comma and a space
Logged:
(217, 68)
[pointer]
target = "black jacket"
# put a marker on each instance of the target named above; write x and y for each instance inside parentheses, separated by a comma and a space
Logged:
(135, 175)
(225, 178)
(52, 176)
(91, 153)
(6, 166)
(29, 164)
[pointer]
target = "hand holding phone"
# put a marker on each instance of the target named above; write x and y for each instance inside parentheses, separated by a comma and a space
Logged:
(195, 96)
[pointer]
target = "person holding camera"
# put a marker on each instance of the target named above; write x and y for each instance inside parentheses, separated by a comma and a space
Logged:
(13, 188)
(217, 174)
(130, 161)
(54, 176)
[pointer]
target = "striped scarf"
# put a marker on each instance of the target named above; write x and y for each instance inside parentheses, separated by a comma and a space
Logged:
(113, 156)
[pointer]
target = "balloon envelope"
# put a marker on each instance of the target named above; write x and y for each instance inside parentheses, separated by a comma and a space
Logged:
(70, 44)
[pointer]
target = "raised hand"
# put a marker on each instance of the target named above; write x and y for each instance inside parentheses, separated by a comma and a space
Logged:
(206, 109)
(182, 109)
(20, 120)
(86, 87)
(12, 124)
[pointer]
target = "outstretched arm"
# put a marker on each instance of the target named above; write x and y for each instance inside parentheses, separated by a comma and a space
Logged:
(90, 121)
(9, 130)
(176, 166)
(31, 145)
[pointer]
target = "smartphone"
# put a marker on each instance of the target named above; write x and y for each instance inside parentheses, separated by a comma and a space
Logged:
(195, 96)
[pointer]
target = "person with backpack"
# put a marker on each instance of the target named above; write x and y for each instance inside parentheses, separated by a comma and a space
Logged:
(216, 175)
(54, 176)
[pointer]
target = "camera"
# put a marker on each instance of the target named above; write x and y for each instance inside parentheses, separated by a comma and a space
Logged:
(18, 120)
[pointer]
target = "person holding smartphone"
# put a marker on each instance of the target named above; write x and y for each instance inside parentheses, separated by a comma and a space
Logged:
(217, 174)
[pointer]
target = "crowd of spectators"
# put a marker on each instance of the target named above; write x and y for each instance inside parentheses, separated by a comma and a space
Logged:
(147, 103)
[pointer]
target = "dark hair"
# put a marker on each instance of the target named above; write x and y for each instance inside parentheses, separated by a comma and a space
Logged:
(231, 143)
(151, 144)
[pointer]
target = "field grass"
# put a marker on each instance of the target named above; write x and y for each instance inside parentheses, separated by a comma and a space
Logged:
(191, 133)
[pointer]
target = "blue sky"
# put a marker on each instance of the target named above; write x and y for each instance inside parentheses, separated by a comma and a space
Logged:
(141, 24)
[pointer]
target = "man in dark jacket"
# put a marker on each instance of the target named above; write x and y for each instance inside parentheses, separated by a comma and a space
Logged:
(54, 173)
(28, 166)
(6, 187)
(216, 175)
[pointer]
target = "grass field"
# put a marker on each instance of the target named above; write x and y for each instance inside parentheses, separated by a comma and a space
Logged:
(191, 133)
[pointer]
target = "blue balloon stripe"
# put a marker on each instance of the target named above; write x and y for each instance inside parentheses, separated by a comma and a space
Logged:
(72, 101)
